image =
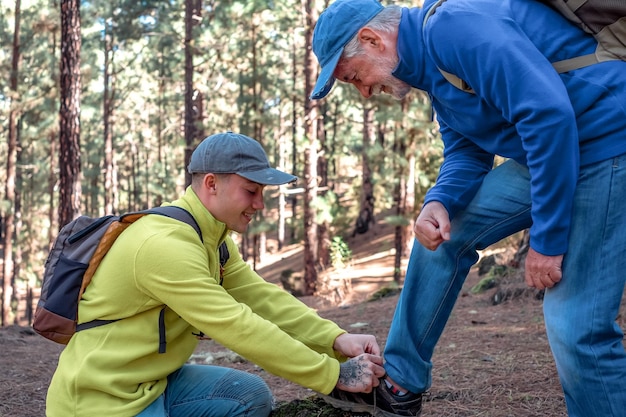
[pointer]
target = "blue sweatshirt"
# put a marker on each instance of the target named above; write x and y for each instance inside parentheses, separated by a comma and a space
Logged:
(523, 109)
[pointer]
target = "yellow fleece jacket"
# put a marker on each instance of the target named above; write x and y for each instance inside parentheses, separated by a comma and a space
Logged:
(116, 370)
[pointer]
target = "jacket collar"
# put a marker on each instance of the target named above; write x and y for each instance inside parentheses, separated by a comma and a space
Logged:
(213, 231)
(414, 65)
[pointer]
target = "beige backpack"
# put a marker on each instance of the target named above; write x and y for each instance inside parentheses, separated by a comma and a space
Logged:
(604, 19)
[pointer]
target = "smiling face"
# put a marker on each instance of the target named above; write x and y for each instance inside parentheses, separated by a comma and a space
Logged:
(232, 199)
(371, 76)
(370, 71)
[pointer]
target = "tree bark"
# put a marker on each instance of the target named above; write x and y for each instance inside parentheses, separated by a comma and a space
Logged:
(366, 211)
(8, 279)
(69, 113)
(293, 200)
(190, 128)
(404, 193)
(107, 120)
(311, 119)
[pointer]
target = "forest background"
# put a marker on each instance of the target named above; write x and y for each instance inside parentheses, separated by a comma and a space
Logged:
(102, 104)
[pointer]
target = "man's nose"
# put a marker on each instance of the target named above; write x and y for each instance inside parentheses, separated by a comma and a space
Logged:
(257, 203)
(365, 90)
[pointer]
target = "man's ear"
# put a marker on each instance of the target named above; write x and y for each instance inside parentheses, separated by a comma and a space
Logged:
(210, 182)
(371, 38)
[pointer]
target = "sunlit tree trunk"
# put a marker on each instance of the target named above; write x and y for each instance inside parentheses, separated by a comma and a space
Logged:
(107, 120)
(323, 227)
(281, 140)
(294, 129)
(17, 230)
(311, 119)
(259, 249)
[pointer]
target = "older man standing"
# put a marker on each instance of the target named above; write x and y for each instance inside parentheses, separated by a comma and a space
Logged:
(564, 137)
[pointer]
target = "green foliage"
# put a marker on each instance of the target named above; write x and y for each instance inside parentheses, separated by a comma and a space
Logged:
(388, 291)
(340, 253)
(327, 207)
(248, 62)
(485, 284)
(260, 226)
(398, 220)
(493, 278)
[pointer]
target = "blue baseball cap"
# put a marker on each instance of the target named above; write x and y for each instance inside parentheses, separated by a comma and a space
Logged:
(336, 26)
(234, 153)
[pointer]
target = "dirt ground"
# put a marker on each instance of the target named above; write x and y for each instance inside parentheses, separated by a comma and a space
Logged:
(492, 360)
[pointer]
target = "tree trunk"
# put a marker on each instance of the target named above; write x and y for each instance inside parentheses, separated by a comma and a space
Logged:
(9, 215)
(52, 182)
(69, 113)
(281, 140)
(310, 214)
(260, 238)
(107, 120)
(366, 211)
(134, 193)
(294, 131)
(519, 259)
(404, 194)
(158, 176)
(311, 119)
(323, 228)
(190, 128)
(17, 229)
(52, 165)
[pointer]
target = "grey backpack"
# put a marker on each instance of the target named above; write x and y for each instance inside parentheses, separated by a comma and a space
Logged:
(604, 19)
(75, 255)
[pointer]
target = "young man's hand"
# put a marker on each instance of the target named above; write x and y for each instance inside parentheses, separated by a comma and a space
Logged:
(352, 345)
(361, 373)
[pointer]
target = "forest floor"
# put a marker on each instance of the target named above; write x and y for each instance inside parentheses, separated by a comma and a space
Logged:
(493, 359)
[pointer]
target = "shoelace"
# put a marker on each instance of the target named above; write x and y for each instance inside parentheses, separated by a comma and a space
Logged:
(374, 402)
(381, 381)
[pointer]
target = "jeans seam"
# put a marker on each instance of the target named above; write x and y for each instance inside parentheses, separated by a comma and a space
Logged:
(462, 250)
(614, 166)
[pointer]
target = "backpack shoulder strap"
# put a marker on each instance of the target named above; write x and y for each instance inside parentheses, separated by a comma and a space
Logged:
(570, 64)
(173, 212)
(431, 10)
(451, 78)
(456, 81)
(224, 254)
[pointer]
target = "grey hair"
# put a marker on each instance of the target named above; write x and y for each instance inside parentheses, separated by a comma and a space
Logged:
(385, 21)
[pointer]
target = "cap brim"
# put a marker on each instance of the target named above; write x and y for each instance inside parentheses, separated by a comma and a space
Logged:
(268, 176)
(326, 79)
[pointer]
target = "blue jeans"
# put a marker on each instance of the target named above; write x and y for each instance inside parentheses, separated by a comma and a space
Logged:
(580, 311)
(212, 391)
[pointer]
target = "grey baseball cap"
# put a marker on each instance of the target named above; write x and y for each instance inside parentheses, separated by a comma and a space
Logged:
(234, 153)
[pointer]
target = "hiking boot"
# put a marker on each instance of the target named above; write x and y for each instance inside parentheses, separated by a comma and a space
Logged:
(381, 402)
